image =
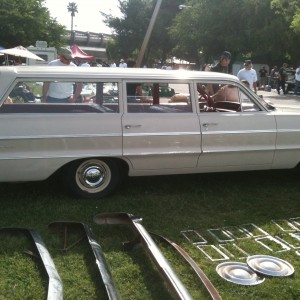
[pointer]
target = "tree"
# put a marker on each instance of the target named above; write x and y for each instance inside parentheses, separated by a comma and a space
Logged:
(247, 28)
(131, 28)
(72, 8)
(290, 11)
(23, 22)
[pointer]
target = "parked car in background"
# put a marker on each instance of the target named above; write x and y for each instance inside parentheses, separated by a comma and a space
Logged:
(92, 145)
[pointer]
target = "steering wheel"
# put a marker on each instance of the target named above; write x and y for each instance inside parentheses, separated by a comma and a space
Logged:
(205, 97)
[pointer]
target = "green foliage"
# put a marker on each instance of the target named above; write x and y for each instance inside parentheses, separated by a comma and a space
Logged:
(23, 22)
(244, 27)
(291, 11)
(112, 49)
(295, 25)
(72, 8)
(131, 28)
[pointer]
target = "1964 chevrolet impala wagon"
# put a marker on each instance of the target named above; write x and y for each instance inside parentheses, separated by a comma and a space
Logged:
(136, 122)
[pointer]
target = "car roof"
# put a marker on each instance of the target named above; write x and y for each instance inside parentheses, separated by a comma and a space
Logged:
(110, 73)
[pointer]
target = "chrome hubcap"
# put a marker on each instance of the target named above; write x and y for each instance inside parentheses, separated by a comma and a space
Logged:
(93, 176)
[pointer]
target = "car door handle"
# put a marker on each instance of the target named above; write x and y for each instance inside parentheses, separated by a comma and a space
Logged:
(209, 124)
(132, 126)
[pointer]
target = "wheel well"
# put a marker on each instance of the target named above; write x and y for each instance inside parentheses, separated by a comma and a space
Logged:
(297, 168)
(123, 165)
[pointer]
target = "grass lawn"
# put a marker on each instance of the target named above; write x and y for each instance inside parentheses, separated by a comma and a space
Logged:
(168, 205)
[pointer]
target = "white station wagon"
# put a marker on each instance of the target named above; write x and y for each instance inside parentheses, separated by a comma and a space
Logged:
(137, 122)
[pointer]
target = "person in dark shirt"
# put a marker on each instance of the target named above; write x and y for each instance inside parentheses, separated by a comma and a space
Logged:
(221, 67)
(263, 75)
(133, 89)
(282, 79)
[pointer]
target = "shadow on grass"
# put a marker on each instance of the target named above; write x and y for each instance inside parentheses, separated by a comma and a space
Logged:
(167, 203)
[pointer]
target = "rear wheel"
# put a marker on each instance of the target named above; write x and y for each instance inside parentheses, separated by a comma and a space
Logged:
(93, 178)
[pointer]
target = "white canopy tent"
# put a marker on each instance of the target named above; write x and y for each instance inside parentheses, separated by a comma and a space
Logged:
(19, 51)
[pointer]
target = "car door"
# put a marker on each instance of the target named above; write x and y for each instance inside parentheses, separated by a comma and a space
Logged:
(237, 139)
(161, 128)
(39, 138)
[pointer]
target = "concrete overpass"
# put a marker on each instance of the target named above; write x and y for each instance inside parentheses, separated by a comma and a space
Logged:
(90, 42)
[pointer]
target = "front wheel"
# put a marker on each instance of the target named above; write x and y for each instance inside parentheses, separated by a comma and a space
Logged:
(93, 178)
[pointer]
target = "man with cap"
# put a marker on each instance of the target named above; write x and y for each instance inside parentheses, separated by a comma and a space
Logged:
(249, 74)
(122, 64)
(61, 92)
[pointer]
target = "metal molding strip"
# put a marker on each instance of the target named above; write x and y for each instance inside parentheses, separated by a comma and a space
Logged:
(285, 225)
(220, 235)
(108, 282)
(212, 250)
(55, 287)
(272, 242)
(194, 237)
(253, 230)
(235, 247)
(207, 283)
(162, 264)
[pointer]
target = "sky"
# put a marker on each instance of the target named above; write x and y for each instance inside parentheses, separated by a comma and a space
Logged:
(88, 17)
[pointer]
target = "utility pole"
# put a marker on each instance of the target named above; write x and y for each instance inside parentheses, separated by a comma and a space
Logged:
(148, 34)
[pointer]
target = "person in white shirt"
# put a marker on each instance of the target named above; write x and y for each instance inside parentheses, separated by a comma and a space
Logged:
(297, 81)
(122, 64)
(248, 74)
(113, 64)
(85, 64)
(61, 92)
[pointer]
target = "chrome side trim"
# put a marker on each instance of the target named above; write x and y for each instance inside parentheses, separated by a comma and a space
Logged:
(101, 263)
(59, 136)
(162, 264)
(55, 288)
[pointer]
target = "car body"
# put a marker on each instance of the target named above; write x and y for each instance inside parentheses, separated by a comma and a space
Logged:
(95, 143)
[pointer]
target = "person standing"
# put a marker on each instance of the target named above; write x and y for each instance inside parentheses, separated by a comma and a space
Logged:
(133, 89)
(113, 64)
(85, 64)
(282, 79)
(274, 77)
(297, 81)
(263, 76)
(249, 74)
(122, 64)
(61, 92)
(221, 67)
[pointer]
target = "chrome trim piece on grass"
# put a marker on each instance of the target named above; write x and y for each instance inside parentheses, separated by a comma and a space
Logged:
(162, 264)
(207, 283)
(272, 244)
(194, 237)
(101, 263)
(213, 253)
(55, 287)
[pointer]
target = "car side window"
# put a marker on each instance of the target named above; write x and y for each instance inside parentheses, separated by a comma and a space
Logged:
(247, 104)
(227, 98)
(158, 97)
(57, 96)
